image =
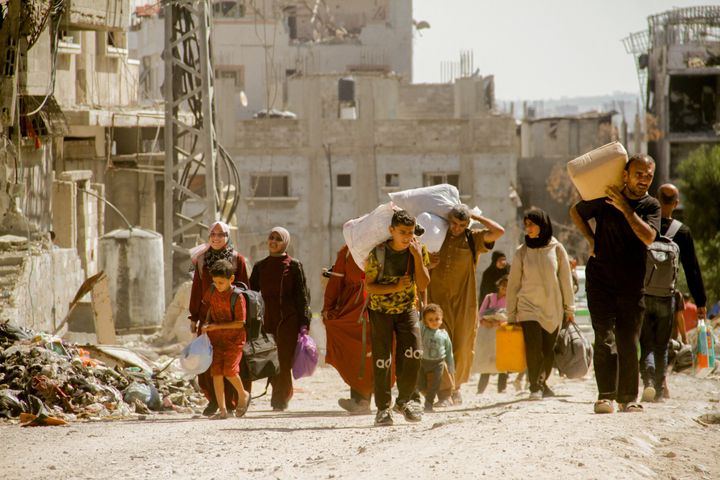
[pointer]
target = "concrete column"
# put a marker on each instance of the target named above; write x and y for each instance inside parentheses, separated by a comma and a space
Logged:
(64, 217)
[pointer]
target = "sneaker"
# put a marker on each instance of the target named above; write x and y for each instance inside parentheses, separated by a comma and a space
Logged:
(383, 418)
(538, 395)
(443, 403)
(648, 394)
(603, 406)
(356, 407)
(211, 409)
(456, 397)
(411, 411)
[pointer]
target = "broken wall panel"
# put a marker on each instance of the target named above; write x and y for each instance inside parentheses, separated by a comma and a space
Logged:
(98, 14)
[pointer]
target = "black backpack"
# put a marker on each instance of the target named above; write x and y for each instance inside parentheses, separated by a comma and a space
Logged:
(260, 355)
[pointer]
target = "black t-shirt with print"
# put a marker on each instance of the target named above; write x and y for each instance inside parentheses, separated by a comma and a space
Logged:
(619, 261)
(397, 264)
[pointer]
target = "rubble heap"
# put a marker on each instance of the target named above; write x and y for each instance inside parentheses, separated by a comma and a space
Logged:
(44, 376)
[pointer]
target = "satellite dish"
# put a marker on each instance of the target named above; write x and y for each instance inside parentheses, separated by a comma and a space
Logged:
(421, 25)
(243, 98)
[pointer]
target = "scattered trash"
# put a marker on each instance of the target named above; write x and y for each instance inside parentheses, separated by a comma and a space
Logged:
(47, 381)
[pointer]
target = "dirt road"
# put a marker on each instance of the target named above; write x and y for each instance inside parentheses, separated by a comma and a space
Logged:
(489, 436)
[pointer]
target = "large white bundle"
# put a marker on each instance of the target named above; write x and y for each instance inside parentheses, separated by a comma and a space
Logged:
(437, 199)
(593, 172)
(364, 233)
(435, 230)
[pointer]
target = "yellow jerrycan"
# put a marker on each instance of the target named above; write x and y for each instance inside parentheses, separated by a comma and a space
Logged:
(510, 348)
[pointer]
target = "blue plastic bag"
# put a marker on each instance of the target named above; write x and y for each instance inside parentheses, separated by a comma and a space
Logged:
(306, 355)
(196, 357)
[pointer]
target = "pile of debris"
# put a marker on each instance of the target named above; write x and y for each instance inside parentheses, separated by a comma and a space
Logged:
(47, 381)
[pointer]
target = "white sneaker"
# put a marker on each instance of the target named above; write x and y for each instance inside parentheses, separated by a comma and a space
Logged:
(536, 395)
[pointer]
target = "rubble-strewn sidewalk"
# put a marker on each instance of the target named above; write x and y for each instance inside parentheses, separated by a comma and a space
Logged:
(46, 377)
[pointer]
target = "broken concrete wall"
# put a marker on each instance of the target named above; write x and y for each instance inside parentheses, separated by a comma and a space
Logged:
(426, 101)
(37, 286)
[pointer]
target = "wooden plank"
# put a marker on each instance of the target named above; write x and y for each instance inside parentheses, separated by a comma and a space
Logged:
(102, 309)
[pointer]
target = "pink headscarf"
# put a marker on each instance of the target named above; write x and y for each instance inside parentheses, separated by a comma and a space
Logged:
(197, 252)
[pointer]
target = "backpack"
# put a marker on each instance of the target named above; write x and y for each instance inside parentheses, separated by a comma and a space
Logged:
(254, 305)
(661, 264)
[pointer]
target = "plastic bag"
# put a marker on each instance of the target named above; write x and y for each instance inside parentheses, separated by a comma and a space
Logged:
(196, 357)
(147, 394)
(704, 349)
(484, 360)
(437, 199)
(364, 233)
(435, 230)
(306, 355)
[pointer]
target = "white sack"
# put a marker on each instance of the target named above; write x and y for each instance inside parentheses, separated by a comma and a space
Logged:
(364, 233)
(593, 172)
(437, 199)
(435, 230)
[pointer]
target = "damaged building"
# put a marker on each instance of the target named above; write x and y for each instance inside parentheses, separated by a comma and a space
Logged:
(547, 144)
(678, 63)
(356, 139)
(83, 144)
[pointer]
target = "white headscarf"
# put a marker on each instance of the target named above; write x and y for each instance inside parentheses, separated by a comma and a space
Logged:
(197, 252)
(284, 234)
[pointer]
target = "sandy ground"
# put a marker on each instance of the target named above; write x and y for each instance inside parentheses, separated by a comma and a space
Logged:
(490, 436)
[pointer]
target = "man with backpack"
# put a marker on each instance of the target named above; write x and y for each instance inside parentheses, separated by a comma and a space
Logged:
(675, 243)
(627, 221)
(453, 284)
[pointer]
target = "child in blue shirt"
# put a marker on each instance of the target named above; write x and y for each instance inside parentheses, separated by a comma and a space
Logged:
(437, 352)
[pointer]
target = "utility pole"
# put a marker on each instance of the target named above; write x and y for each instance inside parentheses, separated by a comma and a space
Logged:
(190, 138)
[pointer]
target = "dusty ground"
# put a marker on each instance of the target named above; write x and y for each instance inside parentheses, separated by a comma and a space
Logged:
(489, 436)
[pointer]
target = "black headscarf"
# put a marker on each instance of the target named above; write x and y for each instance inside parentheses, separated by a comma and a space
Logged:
(492, 274)
(542, 220)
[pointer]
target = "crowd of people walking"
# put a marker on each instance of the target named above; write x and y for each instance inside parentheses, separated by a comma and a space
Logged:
(411, 316)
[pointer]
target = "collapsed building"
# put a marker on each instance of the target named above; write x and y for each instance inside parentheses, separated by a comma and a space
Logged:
(678, 64)
(77, 143)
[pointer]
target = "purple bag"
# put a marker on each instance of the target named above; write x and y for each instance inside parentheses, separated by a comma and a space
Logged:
(306, 355)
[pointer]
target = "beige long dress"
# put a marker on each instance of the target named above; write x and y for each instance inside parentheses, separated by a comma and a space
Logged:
(452, 286)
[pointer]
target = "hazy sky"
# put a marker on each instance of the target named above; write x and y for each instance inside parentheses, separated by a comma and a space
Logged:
(537, 48)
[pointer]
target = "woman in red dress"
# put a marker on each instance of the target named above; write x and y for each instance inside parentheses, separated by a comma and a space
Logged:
(218, 247)
(344, 301)
(281, 280)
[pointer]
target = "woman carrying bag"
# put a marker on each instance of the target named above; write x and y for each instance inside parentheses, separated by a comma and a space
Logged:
(540, 296)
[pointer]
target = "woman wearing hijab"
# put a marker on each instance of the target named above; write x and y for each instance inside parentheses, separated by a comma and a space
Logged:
(540, 296)
(281, 280)
(218, 247)
(498, 268)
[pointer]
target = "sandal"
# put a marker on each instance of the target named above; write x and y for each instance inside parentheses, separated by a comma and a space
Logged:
(631, 407)
(242, 409)
(221, 415)
(603, 406)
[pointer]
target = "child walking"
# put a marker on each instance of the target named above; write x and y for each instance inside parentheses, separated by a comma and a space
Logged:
(437, 353)
(488, 313)
(226, 330)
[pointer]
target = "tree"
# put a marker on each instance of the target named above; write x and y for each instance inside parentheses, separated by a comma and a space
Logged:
(700, 187)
